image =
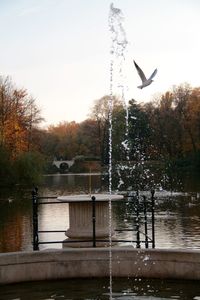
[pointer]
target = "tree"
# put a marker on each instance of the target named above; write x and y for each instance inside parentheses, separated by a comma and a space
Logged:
(67, 146)
(194, 113)
(181, 96)
(166, 127)
(100, 113)
(88, 139)
(139, 132)
(18, 115)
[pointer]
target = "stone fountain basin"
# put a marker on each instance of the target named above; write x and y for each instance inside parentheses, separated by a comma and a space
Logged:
(94, 262)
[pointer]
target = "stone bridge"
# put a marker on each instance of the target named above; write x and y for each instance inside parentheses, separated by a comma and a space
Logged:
(57, 163)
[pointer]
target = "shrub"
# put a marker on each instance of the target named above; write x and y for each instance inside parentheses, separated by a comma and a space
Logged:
(50, 168)
(29, 168)
(78, 167)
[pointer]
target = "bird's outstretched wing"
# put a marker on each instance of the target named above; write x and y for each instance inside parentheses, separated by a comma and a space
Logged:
(153, 74)
(140, 72)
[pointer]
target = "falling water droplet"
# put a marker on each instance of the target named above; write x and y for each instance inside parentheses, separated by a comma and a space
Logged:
(118, 45)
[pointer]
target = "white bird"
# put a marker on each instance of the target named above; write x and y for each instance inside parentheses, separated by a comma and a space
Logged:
(145, 81)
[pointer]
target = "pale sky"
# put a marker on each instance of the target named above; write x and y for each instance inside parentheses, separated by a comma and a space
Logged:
(59, 49)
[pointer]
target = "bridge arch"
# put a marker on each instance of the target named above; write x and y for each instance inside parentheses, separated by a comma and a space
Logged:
(60, 163)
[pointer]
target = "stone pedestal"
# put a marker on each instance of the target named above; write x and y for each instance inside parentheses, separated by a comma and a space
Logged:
(80, 219)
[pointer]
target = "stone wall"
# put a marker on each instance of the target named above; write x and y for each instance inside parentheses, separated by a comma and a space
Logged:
(94, 262)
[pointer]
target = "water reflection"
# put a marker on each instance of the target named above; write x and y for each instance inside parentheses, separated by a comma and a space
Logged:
(15, 225)
(177, 215)
(97, 289)
(70, 183)
(53, 217)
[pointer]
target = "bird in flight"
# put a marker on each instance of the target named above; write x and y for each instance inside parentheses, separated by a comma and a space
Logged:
(145, 81)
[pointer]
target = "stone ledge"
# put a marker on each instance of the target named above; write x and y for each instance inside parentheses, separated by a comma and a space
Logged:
(94, 262)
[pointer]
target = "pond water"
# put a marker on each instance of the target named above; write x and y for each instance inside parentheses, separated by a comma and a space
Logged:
(93, 289)
(177, 225)
(177, 214)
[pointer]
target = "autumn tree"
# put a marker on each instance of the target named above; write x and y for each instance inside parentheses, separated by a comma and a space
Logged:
(69, 139)
(194, 113)
(46, 142)
(175, 118)
(66, 146)
(18, 115)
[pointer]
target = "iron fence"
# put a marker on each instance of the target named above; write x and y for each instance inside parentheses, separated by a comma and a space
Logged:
(142, 215)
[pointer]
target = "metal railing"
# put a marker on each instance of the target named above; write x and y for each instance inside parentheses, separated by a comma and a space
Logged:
(142, 214)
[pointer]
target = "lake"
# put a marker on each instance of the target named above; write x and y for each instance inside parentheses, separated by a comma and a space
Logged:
(177, 214)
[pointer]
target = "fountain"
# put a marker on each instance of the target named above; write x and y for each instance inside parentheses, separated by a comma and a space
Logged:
(132, 272)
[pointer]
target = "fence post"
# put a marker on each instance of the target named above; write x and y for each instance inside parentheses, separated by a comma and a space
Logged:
(94, 221)
(152, 217)
(35, 219)
(137, 221)
(145, 223)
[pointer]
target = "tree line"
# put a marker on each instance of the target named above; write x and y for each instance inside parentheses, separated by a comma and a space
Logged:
(165, 129)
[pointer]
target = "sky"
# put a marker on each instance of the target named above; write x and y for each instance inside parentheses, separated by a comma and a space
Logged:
(59, 50)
